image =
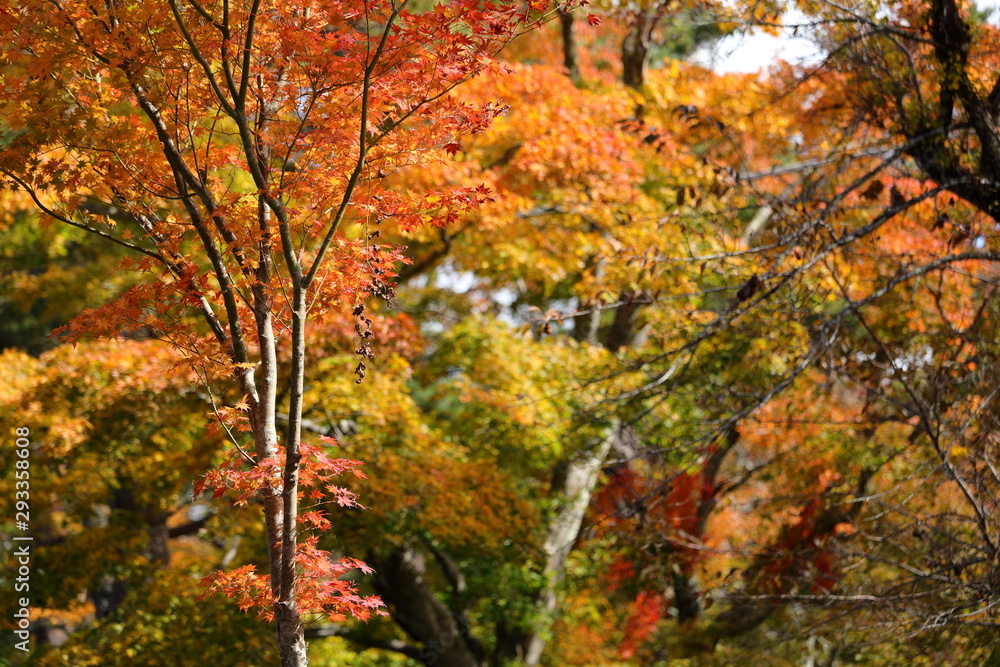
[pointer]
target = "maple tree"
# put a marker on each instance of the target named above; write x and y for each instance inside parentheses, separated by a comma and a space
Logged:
(231, 146)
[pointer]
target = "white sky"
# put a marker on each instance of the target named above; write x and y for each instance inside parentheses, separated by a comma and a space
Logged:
(751, 52)
(756, 50)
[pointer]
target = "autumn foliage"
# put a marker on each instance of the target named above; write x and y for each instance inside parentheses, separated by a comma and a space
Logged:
(646, 362)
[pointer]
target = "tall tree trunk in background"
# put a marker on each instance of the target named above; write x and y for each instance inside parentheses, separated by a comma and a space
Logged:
(625, 330)
(635, 49)
(587, 323)
(575, 486)
(569, 45)
(443, 634)
(159, 537)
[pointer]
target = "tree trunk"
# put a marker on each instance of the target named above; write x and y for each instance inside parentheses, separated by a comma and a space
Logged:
(587, 324)
(569, 45)
(687, 596)
(159, 537)
(624, 331)
(107, 596)
(635, 50)
(575, 486)
(444, 636)
(291, 633)
(281, 546)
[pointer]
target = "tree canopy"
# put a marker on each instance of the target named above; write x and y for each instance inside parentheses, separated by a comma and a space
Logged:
(495, 333)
